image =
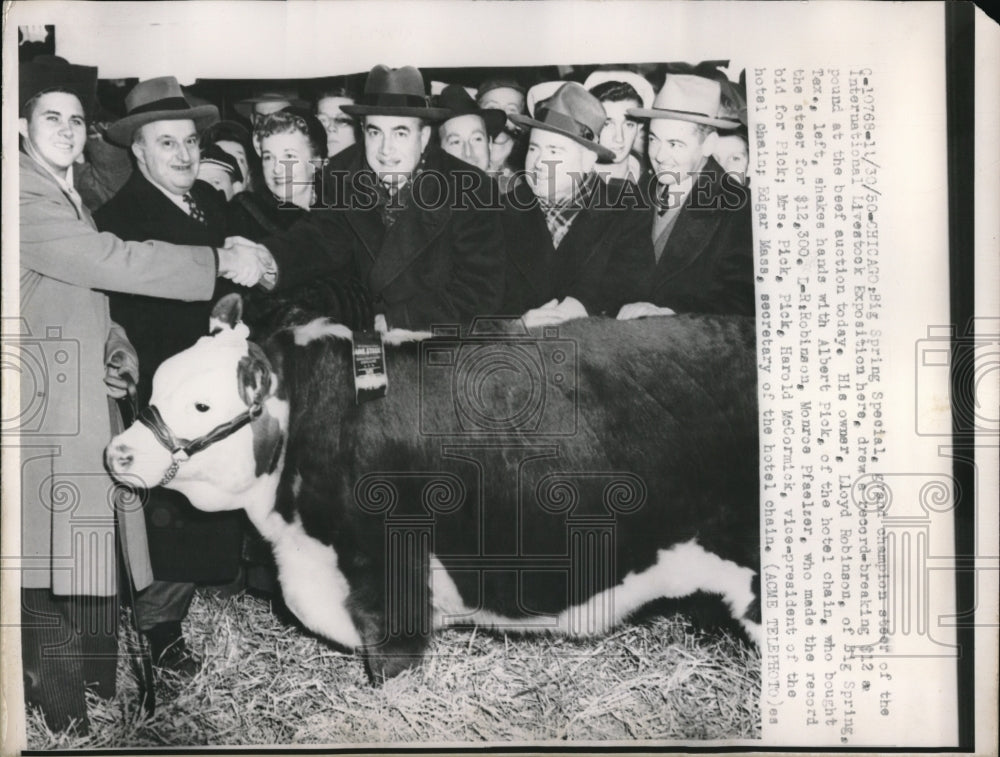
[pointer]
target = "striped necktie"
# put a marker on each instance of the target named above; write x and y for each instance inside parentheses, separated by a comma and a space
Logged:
(194, 210)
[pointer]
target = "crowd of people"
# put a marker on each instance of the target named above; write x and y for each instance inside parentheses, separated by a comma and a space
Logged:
(566, 199)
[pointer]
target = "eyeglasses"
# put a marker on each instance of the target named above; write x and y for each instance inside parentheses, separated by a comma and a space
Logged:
(340, 122)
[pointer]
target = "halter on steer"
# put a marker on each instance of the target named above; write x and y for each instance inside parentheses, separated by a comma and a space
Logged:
(182, 449)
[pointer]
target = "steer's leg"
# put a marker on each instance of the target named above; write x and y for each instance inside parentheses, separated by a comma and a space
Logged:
(393, 609)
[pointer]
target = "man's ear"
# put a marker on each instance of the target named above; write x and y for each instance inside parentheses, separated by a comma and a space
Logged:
(22, 127)
(139, 150)
(425, 137)
(237, 187)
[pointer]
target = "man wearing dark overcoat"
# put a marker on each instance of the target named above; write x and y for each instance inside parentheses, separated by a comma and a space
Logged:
(567, 235)
(163, 200)
(414, 223)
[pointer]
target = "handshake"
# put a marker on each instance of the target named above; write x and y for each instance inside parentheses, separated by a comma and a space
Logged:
(247, 263)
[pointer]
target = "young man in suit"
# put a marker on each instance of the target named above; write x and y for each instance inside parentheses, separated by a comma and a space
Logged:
(568, 238)
(163, 200)
(698, 218)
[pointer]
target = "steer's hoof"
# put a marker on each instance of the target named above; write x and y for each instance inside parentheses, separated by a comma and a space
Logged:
(382, 666)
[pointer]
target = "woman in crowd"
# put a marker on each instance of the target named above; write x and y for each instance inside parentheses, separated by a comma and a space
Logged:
(292, 150)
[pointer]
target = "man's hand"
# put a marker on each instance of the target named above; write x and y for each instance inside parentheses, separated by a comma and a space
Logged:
(246, 263)
(121, 369)
(641, 310)
(555, 312)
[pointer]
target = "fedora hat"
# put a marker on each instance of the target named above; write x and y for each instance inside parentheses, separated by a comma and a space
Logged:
(159, 99)
(395, 92)
(638, 82)
(458, 102)
(245, 106)
(46, 73)
(685, 97)
(573, 112)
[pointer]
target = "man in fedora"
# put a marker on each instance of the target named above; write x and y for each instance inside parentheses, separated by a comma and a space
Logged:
(698, 218)
(567, 239)
(412, 221)
(164, 200)
(69, 581)
(467, 133)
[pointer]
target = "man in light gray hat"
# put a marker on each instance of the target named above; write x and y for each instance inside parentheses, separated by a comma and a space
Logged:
(699, 218)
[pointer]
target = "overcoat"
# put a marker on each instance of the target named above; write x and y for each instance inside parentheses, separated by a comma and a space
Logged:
(604, 261)
(707, 263)
(63, 422)
(441, 261)
(186, 544)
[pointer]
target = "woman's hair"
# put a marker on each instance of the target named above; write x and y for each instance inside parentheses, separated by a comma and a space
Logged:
(290, 120)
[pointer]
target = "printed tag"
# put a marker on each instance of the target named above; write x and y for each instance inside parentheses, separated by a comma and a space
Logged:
(370, 381)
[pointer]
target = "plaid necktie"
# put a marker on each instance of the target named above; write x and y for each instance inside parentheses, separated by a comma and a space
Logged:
(194, 210)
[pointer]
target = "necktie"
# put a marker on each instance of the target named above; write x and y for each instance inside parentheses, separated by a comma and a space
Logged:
(195, 211)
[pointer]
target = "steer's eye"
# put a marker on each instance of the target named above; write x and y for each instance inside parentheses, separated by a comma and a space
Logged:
(201, 407)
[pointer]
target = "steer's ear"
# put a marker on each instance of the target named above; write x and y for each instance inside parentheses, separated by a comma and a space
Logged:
(253, 375)
(226, 313)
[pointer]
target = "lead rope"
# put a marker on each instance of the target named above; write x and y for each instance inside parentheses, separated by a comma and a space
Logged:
(125, 412)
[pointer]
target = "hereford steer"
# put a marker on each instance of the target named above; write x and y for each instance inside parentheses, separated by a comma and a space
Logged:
(552, 481)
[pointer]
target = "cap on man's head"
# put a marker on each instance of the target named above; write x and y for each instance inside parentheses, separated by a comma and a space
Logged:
(573, 112)
(159, 99)
(215, 155)
(50, 73)
(638, 82)
(395, 92)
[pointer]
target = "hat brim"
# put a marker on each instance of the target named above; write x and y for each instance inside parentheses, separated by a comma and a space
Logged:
(431, 114)
(604, 155)
(121, 131)
(680, 115)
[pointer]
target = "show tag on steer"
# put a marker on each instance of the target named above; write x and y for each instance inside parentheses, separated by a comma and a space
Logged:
(370, 381)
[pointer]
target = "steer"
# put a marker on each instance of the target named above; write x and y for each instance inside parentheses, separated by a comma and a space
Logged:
(551, 481)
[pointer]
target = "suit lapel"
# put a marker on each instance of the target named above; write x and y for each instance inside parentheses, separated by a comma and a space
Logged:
(414, 230)
(692, 232)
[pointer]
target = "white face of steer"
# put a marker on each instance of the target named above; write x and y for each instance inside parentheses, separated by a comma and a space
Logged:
(195, 391)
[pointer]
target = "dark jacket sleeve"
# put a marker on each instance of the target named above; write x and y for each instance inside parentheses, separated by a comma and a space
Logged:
(315, 246)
